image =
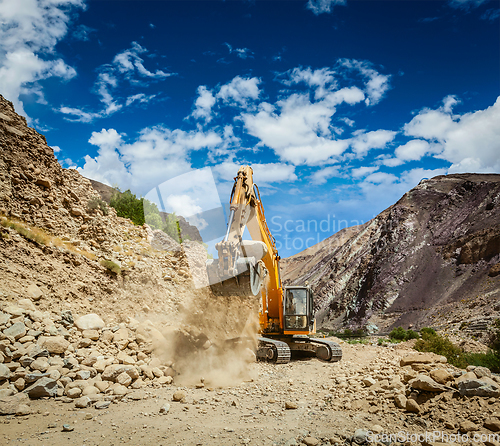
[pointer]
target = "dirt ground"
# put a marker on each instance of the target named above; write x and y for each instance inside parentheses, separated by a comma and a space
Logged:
(250, 413)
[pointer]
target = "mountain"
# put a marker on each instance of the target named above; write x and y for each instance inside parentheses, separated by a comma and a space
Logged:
(431, 259)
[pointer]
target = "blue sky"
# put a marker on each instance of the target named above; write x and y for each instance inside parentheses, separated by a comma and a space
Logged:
(340, 106)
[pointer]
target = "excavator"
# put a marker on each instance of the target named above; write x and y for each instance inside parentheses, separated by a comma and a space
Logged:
(252, 268)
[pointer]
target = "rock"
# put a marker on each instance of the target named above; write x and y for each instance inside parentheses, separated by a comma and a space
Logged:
(26, 304)
(400, 401)
(89, 322)
(90, 390)
(4, 372)
(102, 404)
(493, 424)
(179, 395)
(311, 441)
(477, 387)
(467, 426)
(165, 380)
(360, 436)
(67, 317)
(441, 376)
(124, 379)
(55, 344)
(291, 405)
(82, 402)
(20, 384)
(466, 376)
(424, 382)
(32, 377)
(422, 358)
(165, 409)
(482, 371)
(4, 318)
(67, 428)
(412, 406)
(112, 371)
(11, 405)
(17, 330)
(43, 387)
(45, 182)
(74, 392)
(40, 364)
(91, 334)
(101, 385)
(34, 293)
(77, 212)
(119, 390)
(83, 374)
(368, 381)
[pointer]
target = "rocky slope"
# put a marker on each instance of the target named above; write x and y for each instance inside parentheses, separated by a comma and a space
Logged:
(429, 260)
(188, 231)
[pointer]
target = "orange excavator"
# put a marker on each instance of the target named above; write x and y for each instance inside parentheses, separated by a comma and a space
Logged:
(251, 268)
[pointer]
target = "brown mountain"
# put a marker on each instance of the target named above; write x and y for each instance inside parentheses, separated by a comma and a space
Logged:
(431, 259)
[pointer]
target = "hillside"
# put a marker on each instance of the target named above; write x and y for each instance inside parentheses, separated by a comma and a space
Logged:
(431, 259)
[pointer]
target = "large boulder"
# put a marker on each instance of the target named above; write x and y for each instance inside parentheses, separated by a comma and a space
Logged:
(54, 344)
(17, 330)
(89, 322)
(422, 358)
(43, 387)
(111, 372)
(14, 405)
(4, 372)
(478, 387)
(426, 383)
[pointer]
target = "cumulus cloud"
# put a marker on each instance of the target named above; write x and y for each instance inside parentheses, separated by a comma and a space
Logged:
(363, 142)
(29, 32)
(323, 175)
(127, 66)
(239, 92)
(264, 173)
(412, 150)
(323, 6)
(471, 141)
(156, 155)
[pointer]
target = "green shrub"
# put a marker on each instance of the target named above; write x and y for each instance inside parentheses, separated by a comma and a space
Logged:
(111, 266)
(441, 346)
(410, 334)
(127, 205)
(97, 203)
(398, 333)
(427, 332)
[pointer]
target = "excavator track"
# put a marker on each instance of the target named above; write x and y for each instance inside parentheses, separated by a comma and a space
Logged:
(273, 351)
(333, 351)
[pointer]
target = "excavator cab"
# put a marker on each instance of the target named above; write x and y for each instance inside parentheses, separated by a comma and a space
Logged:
(298, 309)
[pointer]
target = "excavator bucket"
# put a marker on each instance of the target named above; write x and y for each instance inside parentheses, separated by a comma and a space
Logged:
(246, 280)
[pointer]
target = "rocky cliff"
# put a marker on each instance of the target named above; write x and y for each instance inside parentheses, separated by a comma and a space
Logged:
(431, 259)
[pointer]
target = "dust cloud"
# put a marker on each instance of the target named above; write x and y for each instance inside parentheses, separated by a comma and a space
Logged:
(214, 338)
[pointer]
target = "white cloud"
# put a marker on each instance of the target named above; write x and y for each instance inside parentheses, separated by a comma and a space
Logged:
(155, 156)
(468, 141)
(29, 32)
(203, 104)
(242, 53)
(376, 85)
(126, 66)
(56, 149)
(323, 6)
(363, 171)
(412, 150)
(321, 176)
(240, 91)
(362, 142)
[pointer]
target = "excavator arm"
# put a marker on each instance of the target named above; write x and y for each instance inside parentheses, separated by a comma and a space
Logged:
(247, 267)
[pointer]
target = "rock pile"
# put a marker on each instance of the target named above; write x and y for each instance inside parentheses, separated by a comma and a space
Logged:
(80, 360)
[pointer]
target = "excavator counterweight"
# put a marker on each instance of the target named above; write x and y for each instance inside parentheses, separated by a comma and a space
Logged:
(251, 268)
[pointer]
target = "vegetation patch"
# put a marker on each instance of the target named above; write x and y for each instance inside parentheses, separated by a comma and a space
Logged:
(97, 203)
(111, 266)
